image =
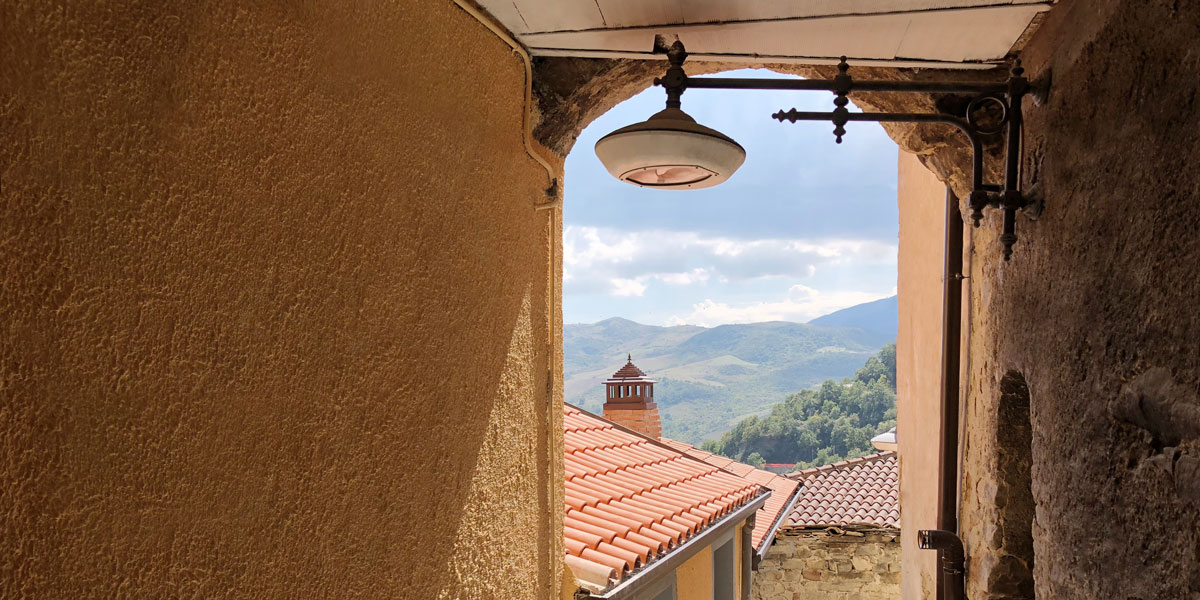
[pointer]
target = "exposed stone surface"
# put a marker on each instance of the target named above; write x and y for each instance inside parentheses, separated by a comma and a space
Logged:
(1098, 311)
(811, 563)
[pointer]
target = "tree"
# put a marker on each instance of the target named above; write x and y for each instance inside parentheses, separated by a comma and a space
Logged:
(819, 426)
(756, 460)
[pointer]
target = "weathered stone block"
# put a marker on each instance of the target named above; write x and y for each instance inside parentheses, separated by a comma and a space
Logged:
(861, 563)
(890, 577)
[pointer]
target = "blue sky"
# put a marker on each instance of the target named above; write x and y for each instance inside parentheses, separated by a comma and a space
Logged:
(804, 228)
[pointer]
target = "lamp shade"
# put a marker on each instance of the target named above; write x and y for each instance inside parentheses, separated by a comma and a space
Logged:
(670, 150)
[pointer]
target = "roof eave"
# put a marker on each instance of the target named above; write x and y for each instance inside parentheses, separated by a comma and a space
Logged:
(628, 588)
(765, 546)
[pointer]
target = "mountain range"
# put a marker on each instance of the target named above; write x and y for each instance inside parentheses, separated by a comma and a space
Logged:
(712, 377)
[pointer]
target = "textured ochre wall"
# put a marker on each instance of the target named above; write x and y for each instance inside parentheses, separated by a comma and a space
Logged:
(274, 305)
(694, 578)
(920, 264)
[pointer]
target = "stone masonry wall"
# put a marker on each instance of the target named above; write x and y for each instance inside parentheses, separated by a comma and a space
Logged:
(841, 565)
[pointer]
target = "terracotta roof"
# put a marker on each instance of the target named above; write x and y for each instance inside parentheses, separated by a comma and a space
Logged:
(859, 491)
(631, 499)
(782, 488)
(629, 371)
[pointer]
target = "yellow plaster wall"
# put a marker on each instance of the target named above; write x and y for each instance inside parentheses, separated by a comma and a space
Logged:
(694, 578)
(275, 306)
(922, 200)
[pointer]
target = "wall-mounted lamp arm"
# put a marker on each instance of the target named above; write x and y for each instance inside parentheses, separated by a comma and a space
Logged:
(1007, 95)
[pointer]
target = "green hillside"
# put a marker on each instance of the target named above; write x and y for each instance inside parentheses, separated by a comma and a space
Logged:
(820, 426)
(711, 378)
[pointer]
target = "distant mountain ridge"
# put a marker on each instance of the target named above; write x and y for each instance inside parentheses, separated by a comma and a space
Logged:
(712, 377)
(882, 316)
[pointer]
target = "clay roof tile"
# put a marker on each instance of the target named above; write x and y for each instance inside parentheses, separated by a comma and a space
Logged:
(632, 499)
(857, 491)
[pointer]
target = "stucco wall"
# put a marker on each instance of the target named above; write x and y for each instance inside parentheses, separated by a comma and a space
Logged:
(694, 578)
(275, 306)
(1097, 311)
(920, 265)
(814, 565)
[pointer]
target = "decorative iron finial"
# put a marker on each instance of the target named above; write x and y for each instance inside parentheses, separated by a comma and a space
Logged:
(841, 88)
(629, 357)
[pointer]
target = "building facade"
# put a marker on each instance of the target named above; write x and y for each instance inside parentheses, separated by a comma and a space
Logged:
(281, 297)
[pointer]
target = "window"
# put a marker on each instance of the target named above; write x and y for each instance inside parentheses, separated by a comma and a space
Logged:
(724, 572)
(637, 390)
(612, 393)
(650, 391)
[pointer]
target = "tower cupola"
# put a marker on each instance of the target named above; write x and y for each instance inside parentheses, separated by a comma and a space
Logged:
(629, 400)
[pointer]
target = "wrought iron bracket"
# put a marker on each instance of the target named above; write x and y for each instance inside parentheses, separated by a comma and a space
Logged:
(1007, 95)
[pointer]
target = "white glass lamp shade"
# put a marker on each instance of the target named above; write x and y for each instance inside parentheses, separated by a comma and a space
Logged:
(670, 151)
(885, 441)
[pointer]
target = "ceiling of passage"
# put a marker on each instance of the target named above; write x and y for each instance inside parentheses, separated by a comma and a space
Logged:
(966, 34)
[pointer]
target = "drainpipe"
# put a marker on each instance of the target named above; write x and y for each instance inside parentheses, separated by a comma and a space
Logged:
(950, 586)
(950, 549)
(748, 555)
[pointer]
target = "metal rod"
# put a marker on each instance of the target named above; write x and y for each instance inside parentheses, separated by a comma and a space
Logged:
(745, 83)
(963, 125)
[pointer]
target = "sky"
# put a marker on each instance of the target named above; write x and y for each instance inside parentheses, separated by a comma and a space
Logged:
(805, 227)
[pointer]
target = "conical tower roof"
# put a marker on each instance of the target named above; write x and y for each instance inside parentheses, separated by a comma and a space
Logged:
(630, 372)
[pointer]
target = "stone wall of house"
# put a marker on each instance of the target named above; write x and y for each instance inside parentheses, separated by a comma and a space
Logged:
(1082, 425)
(839, 565)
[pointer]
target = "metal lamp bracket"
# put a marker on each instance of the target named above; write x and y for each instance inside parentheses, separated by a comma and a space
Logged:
(1007, 95)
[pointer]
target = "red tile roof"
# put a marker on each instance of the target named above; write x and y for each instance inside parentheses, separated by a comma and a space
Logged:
(782, 488)
(631, 500)
(859, 491)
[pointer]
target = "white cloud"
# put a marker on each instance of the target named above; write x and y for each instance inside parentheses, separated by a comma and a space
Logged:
(690, 277)
(625, 263)
(800, 304)
(627, 287)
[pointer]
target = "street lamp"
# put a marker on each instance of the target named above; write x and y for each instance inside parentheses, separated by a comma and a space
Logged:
(671, 151)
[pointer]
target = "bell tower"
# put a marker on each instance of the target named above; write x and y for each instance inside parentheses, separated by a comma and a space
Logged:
(629, 401)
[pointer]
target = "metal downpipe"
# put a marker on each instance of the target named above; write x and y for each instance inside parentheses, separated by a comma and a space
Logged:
(948, 453)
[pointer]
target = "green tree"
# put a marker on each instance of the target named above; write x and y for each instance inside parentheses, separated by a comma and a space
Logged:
(756, 460)
(818, 426)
